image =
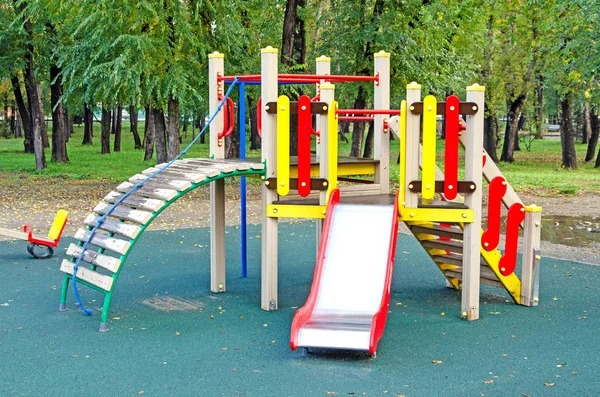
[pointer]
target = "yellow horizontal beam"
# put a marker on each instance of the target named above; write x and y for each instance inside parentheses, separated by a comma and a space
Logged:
(295, 211)
(342, 170)
(437, 215)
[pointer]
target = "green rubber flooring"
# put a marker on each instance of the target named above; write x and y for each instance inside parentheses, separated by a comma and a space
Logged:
(169, 336)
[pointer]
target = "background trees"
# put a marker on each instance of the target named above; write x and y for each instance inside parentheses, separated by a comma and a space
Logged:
(538, 59)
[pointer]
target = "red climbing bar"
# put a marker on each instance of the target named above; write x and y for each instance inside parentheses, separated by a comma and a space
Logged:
(356, 118)
(228, 121)
(304, 131)
(367, 111)
(491, 236)
(508, 262)
(451, 147)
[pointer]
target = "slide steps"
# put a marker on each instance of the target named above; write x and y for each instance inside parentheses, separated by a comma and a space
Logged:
(444, 245)
(115, 237)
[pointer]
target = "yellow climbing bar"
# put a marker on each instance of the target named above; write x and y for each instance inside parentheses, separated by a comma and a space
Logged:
(332, 147)
(283, 145)
(402, 155)
(429, 133)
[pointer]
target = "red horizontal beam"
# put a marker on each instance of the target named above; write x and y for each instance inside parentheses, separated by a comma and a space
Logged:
(356, 118)
(366, 111)
(309, 78)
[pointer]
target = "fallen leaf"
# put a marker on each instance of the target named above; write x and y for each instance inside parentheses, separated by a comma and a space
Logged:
(437, 361)
(549, 384)
(488, 381)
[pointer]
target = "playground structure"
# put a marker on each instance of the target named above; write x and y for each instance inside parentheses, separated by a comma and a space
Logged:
(40, 247)
(429, 201)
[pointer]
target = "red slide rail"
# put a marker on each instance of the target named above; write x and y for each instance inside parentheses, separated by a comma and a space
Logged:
(379, 319)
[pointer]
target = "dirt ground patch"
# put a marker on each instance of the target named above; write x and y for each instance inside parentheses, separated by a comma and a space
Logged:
(35, 200)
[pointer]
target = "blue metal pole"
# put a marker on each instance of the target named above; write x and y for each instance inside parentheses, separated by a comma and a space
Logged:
(243, 233)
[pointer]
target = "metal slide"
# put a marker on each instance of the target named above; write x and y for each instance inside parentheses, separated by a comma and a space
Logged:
(349, 298)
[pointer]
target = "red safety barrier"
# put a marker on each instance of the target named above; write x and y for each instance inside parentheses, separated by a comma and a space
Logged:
(259, 117)
(491, 236)
(304, 131)
(228, 122)
(451, 147)
(508, 262)
(301, 78)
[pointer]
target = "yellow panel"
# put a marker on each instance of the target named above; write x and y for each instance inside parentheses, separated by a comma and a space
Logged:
(332, 145)
(402, 154)
(428, 163)
(437, 215)
(356, 169)
(510, 282)
(57, 225)
(283, 145)
(295, 211)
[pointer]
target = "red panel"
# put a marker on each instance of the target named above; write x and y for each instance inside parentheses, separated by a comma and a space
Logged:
(304, 131)
(259, 117)
(484, 158)
(508, 262)
(379, 319)
(451, 155)
(228, 120)
(304, 313)
(491, 236)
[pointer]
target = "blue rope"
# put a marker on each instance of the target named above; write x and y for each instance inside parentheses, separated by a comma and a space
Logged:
(133, 189)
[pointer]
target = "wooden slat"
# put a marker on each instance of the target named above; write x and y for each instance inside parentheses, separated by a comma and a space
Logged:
(142, 203)
(130, 214)
(13, 234)
(95, 258)
(239, 165)
(452, 232)
(100, 240)
(174, 173)
(114, 226)
(223, 167)
(160, 181)
(449, 245)
(193, 168)
(149, 191)
(487, 276)
(453, 259)
(92, 277)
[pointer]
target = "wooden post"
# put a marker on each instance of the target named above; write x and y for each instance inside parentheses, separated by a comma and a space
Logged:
(530, 269)
(269, 81)
(216, 62)
(472, 231)
(381, 141)
(413, 145)
(323, 67)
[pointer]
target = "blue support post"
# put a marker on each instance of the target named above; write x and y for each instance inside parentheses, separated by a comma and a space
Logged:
(243, 233)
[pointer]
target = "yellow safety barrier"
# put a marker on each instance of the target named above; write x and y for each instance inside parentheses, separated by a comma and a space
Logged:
(332, 155)
(283, 145)
(402, 154)
(429, 136)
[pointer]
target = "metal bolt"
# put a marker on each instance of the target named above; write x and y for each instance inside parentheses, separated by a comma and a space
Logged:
(427, 186)
(474, 108)
(412, 214)
(410, 186)
(536, 299)
(537, 223)
(325, 183)
(460, 133)
(452, 108)
(463, 314)
(503, 183)
(429, 108)
(303, 107)
(303, 184)
(537, 257)
(323, 212)
(282, 183)
(502, 269)
(472, 187)
(522, 209)
(274, 210)
(282, 107)
(267, 183)
(272, 304)
(486, 244)
(464, 215)
(221, 287)
(267, 107)
(412, 108)
(324, 107)
(450, 187)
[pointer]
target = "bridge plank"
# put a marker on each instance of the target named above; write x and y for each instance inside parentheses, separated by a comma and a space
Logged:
(149, 191)
(99, 280)
(138, 202)
(175, 173)
(102, 241)
(95, 258)
(114, 226)
(122, 212)
(160, 181)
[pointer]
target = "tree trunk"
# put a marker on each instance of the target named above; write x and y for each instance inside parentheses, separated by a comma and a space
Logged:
(18, 127)
(59, 130)
(24, 113)
(255, 140)
(342, 128)
(173, 129)
(160, 138)
(118, 119)
(489, 137)
(133, 126)
(148, 135)
(539, 119)
(44, 127)
(6, 133)
(586, 130)
(105, 134)
(368, 152)
(88, 125)
(512, 129)
(594, 126)
(567, 134)
(359, 128)
(68, 125)
(202, 124)
(13, 121)
(293, 47)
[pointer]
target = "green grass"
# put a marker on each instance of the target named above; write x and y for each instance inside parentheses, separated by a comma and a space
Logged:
(537, 171)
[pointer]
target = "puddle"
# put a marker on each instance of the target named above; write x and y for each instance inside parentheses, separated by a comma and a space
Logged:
(570, 230)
